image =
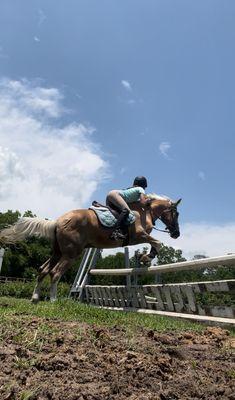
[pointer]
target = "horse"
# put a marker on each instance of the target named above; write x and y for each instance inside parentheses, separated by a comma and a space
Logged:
(78, 229)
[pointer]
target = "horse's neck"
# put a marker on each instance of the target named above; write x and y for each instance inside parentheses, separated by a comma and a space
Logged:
(145, 213)
(136, 207)
(157, 207)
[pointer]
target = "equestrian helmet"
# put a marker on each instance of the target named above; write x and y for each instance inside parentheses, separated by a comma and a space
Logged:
(140, 181)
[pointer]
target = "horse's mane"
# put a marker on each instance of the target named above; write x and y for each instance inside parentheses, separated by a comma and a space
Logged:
(155, 196)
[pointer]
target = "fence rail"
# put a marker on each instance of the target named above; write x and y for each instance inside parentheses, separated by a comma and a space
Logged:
(212, 262)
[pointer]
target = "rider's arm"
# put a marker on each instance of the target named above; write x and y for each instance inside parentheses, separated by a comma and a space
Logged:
(144, 201)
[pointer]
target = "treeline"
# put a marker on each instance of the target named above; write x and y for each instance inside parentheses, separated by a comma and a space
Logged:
(24, 258)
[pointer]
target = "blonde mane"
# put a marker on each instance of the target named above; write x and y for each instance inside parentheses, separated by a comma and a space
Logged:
(155, 196)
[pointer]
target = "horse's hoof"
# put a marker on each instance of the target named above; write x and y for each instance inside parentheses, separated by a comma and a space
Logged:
(34, 300)
(53, 300)
(145, 260)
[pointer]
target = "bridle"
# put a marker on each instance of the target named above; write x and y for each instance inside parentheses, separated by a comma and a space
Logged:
(172, 208)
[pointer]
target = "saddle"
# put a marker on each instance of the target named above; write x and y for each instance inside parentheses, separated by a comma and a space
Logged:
(108, 216)
(96, 204)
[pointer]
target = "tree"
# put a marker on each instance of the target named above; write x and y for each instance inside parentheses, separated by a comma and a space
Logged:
(110, 262)
(9, 218)
(24, 258)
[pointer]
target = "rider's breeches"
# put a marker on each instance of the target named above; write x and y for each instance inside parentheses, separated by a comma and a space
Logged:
(115, 199)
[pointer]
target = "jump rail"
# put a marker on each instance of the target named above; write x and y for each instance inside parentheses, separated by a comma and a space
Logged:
(228, 260)
(182, 300)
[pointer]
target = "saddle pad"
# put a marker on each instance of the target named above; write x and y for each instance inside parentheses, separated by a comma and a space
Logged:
(107, 219)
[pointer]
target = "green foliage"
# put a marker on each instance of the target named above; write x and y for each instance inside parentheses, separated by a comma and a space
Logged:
(110, 262)
(169, 255)
(219, 299)
(25, 289)
(8, 218)
(166, 255)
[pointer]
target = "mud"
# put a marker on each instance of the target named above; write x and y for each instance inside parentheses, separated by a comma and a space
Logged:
(46, 360)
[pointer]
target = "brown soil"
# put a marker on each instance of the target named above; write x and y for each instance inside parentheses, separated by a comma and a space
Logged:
(43, 359)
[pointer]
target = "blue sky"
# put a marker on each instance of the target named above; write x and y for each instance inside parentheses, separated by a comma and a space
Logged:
(148, 87)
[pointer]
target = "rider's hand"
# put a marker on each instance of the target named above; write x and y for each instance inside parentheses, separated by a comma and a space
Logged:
(147, 202)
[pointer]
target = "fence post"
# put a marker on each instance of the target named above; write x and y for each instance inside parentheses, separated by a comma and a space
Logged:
(127, 265)
(1, 258)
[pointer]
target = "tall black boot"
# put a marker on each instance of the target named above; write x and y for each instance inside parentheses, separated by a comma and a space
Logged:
(117, 234)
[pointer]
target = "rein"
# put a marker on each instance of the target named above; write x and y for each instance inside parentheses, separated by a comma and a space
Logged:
(162, 230)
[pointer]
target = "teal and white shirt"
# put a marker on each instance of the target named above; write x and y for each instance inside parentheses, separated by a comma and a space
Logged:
(132, 194)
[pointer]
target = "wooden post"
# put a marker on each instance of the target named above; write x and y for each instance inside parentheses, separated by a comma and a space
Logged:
(137, 265)
(127, 265)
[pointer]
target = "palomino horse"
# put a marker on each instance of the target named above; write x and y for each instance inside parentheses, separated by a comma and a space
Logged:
(79, 229)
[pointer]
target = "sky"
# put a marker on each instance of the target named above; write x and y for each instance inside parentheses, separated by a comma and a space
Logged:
(93, 93)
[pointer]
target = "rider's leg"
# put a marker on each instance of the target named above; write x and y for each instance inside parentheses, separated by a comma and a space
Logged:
(115, 199)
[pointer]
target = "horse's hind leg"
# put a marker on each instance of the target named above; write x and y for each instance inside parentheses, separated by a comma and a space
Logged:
(63, 265)
(43, 271)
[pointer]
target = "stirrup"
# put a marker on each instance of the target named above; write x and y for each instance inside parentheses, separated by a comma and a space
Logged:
(117, 235)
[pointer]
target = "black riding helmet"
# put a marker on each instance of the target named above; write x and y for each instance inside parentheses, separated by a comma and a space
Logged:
(140, 181)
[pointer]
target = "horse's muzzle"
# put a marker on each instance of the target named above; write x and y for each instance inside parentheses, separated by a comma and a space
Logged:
(175, 234)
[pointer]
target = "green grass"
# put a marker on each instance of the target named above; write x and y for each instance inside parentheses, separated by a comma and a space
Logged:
(70, 310)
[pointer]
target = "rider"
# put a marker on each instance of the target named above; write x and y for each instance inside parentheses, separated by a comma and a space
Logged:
(119, 200)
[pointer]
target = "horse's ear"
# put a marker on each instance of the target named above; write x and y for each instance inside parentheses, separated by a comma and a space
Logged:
(176, 203)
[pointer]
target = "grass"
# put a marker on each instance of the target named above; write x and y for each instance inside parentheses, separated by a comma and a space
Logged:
(13, 309)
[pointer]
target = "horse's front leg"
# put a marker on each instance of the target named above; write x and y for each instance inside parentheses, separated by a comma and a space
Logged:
(144, 237)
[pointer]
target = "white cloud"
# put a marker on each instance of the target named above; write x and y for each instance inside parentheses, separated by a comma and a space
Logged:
(41, 17)
(205, 238)
(197, 238)
(131, 102)
(31, 99)
(126, 85)
(164, 147)
(201, 175)
(36, 39)
(43, 167)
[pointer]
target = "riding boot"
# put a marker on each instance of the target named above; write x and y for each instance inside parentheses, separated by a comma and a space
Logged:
(117, 234)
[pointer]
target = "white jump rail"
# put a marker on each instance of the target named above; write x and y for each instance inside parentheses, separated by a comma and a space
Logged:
(212, 262)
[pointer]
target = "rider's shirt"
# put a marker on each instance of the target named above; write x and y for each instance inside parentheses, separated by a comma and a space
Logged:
(132, 194)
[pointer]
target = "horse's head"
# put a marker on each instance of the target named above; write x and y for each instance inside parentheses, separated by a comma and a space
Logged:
(165, 210)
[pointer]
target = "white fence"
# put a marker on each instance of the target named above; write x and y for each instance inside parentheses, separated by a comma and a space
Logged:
(178, 299)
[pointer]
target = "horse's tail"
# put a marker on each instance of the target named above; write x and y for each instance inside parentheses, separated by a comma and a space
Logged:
(26, 227)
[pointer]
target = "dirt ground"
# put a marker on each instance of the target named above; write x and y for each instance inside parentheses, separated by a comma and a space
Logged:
(44, 359)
